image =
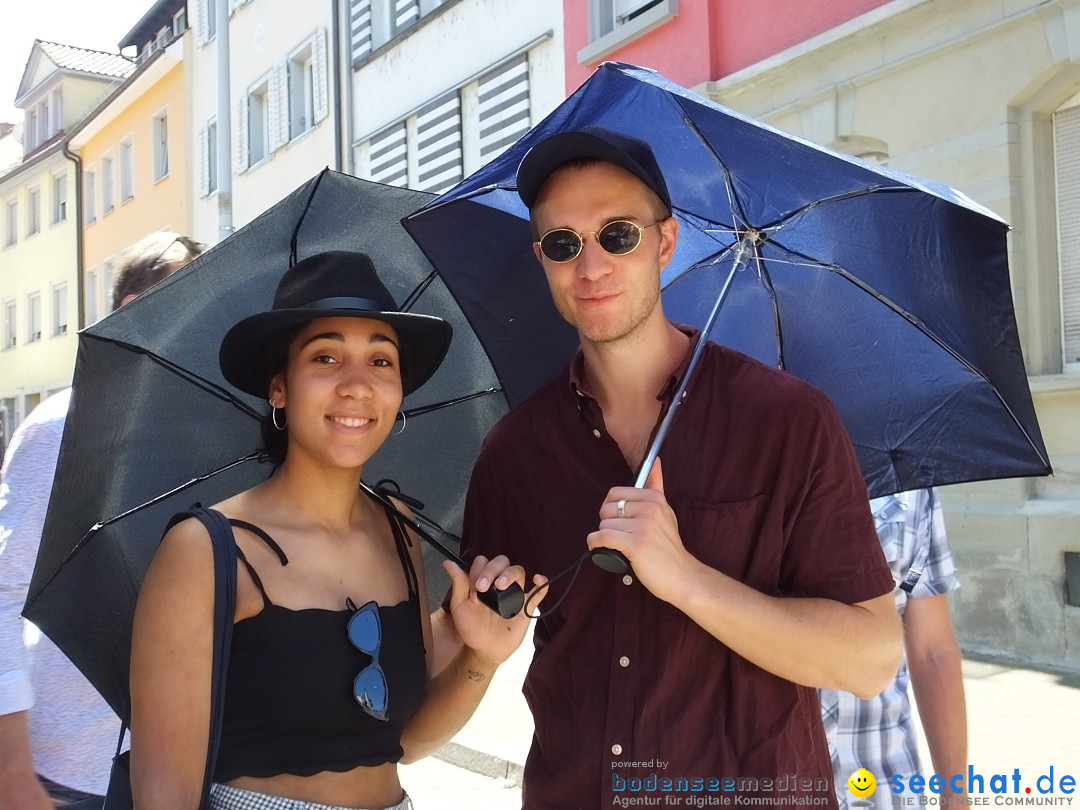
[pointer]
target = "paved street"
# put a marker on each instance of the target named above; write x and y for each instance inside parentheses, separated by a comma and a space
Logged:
(1018, 717)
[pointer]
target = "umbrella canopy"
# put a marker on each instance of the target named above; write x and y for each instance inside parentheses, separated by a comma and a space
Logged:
(888, 292)
(153, 427)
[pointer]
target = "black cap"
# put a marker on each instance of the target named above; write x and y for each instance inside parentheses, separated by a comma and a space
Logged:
(334, 284)
(589, 143)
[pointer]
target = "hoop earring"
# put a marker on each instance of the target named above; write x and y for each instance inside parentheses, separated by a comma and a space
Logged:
(273, 415)
(402, 428)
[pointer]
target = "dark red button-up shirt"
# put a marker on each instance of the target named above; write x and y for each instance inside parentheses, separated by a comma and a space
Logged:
(630, 698)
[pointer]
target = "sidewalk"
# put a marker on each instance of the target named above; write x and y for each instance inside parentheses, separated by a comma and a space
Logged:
(1018, 717)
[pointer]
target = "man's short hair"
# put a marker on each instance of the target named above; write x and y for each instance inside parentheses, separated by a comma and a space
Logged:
(150, 260)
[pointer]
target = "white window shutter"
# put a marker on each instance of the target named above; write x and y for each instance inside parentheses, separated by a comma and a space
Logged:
(503, 96)
(438, 143)
(274, 95)
(282, 124)
(1067, 165)
(202, 22)
(318, 69)
(360, 28)
(624, 8)
(241, 135)
(204, 162)
(389, 161)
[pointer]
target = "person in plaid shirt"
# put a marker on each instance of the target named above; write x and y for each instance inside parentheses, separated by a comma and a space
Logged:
(879, 734)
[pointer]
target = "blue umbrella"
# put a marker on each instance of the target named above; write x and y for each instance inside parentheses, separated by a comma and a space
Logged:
(888, 292)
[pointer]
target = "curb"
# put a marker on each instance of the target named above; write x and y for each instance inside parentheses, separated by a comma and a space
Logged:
(478, 762)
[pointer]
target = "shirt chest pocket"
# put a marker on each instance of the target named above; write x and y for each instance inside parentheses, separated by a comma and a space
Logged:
(734, 537)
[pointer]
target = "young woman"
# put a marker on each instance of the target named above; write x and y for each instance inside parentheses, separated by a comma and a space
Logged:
(331, 679)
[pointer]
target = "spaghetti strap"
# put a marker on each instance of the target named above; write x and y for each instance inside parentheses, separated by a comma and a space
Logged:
(251, 527)
(254, 574)
(262, 535)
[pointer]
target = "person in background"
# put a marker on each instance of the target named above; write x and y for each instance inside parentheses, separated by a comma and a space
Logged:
(879, 734)
(57, 735)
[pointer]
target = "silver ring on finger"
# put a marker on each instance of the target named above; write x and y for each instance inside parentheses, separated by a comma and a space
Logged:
(620, 509)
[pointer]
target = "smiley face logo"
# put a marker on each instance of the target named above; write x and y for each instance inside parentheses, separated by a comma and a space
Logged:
(862, 783)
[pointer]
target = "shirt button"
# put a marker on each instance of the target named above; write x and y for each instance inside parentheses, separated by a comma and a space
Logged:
(627, 580)
(578, 392)
(624, 662)
(596, 433)
(616, 749)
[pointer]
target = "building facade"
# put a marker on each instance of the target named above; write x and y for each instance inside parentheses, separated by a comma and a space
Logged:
(438, 89)
(39, 233)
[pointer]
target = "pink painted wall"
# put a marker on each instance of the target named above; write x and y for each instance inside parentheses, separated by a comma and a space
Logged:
(710, 39)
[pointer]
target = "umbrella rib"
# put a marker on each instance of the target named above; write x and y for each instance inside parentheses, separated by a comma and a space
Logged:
(782, 222)
(918, 324)
(205, 385)
(438, 406)
(103, 523)
(300, 219)
(729, 187)
(412, 297)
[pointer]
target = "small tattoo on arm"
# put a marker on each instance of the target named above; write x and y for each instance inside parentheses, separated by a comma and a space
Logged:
(476, 675)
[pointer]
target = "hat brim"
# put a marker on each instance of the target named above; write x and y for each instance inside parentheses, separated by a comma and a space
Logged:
(424, 342)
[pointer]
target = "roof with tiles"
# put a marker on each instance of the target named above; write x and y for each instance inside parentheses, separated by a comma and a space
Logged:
(85, 60)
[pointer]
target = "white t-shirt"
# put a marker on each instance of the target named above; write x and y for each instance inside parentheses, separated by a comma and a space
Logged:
(72, 730)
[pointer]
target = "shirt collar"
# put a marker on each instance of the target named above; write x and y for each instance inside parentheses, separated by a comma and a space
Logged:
(577, 368)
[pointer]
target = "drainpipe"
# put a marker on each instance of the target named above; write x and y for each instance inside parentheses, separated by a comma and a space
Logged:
(224, 124)
(338, 122)
(80, 317)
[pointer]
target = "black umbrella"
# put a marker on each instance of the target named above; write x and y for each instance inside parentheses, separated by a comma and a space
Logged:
(153, 427)
(888, 292)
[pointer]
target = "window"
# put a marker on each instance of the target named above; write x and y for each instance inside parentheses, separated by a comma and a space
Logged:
(30, 130)
(258, 123)
(57, 110)
(107, 282)
(7, 418)
(208, 153)
(59, 309)
(9, 325)
(33, 317)
(44, 121)
(403, 13)
(360, 41)
(1067, 167)
(161, 145)
(503, 101)
(301, 92)
(33, 211)
(127, 171)
(388, 158)
(434, 148)
(438, 144)
(206, 20)
(179, 22)
(307, 85)
(11, 230)
(59, 193)
(108, 201)
(90, 195)
(93, 295)
(614, 23)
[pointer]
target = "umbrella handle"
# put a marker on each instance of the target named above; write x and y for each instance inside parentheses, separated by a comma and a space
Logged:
(608, 558)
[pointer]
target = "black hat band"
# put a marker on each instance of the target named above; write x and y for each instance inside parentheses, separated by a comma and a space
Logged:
(366, 304)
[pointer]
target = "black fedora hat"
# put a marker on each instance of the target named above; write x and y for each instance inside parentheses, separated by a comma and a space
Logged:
(335, 284)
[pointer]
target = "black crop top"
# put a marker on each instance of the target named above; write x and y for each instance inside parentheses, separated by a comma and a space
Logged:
(289, 705)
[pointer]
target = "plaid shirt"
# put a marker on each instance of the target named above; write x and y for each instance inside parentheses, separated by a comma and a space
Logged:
(878, 734)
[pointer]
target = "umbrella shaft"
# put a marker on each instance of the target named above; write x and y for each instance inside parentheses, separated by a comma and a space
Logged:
(742, 256)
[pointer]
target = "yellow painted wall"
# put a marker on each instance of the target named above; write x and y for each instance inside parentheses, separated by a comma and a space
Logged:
(37, 263)
(156, 204)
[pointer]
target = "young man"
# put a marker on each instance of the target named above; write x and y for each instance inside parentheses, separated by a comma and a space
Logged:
(57, 735)
(879, 734)
(756, 572)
